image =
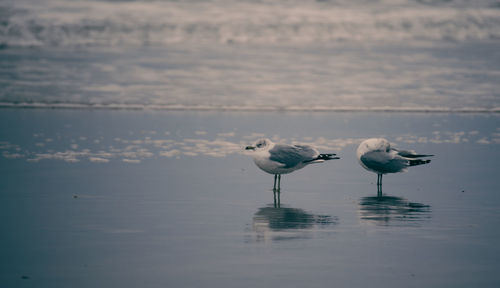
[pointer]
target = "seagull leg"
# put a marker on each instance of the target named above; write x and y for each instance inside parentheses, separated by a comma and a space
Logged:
(274, 194)
(279, 183)
(274, 187)
(279, 190)
(279, 199)
(379, 185)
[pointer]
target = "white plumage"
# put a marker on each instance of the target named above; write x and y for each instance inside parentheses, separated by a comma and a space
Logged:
(280, 159)
(377, 155)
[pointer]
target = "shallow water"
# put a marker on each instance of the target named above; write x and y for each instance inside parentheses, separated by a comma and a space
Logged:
(168, 199)
(114, 197)
(398, 55)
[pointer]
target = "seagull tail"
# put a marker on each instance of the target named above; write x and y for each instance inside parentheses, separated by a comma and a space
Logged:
(327, 157)
(418, 155)
(416, 162)
(322, 157)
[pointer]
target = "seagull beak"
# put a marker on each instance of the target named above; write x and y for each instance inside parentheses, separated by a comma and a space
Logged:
(250, 148)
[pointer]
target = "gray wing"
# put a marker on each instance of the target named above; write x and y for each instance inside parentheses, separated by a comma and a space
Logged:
(382, 162)
(291, 156)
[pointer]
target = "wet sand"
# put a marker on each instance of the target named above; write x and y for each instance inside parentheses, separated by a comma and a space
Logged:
(169, 199)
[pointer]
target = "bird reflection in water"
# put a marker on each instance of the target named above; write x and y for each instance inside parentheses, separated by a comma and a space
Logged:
(392, 210)
(272, 223)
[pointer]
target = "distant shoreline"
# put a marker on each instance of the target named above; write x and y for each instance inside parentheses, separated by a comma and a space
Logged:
(228, 108)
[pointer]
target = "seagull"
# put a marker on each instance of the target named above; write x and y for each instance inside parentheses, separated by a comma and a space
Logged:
(377, 155)
(280, 159)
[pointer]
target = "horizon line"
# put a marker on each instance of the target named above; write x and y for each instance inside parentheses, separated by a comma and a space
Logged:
(235, 108)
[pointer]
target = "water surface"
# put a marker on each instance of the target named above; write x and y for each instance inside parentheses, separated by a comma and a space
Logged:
(128, 198)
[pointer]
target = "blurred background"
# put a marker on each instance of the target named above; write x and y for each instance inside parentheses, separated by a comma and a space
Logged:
(251, 55)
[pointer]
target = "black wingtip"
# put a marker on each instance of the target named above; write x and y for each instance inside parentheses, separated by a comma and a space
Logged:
(419, 162)
(323, 157)
(418, 155)
(327, 157)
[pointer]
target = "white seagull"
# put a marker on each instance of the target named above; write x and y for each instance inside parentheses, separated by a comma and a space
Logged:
(377, 155)
(280, 159)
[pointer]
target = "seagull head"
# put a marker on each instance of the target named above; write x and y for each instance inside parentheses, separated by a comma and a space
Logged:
(260, 144)
(374, 144)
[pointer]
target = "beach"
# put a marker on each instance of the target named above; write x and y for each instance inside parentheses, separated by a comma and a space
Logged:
(108, 201)
(123, 128)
